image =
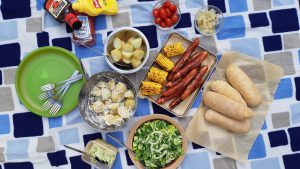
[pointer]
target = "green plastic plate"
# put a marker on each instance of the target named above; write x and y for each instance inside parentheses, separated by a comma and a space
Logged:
(47, 65)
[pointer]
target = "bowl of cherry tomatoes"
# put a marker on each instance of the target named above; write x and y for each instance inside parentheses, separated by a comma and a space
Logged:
(166, 14)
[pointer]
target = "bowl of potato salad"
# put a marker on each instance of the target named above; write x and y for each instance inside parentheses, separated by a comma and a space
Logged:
(107, 100)
(127, 50)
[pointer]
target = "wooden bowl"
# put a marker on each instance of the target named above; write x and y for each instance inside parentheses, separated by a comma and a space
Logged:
(175, 163)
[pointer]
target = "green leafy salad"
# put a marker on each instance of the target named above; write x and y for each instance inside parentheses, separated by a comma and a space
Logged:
(157, 143)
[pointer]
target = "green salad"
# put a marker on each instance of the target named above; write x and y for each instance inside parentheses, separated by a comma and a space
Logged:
(157, 143)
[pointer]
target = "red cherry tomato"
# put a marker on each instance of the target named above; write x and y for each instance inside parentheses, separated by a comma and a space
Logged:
(169, 13)
(162, 24)
(169, 22)
(173, 8)
(167, 4)
(162, 13)
(174, 18)
(155, 13)
(157, 20)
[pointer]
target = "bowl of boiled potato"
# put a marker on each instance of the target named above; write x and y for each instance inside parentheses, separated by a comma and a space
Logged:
(127, 50)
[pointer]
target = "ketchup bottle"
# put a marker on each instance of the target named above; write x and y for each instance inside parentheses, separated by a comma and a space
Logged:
(86, 34)
(61, 10)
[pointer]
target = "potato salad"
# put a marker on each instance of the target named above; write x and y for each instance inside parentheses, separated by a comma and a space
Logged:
(112, 102)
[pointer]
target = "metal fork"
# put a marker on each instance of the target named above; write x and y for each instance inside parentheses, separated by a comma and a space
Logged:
(51, 86)
(58, 103)
(46, 95)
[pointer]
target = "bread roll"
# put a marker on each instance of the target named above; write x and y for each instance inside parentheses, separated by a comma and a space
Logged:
(242, 83)
(226, 106)
(227, 122)
(222, 87)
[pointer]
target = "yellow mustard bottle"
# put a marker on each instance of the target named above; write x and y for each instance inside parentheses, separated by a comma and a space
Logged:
(96, 7)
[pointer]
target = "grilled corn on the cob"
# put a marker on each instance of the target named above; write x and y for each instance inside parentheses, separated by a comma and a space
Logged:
(164, 62)
(157, 75)
(174, 49)
(150, 88)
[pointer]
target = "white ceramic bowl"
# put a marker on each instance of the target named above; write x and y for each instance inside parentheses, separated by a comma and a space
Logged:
(109, 41)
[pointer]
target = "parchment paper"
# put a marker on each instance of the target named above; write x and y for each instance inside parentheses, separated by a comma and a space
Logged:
(266, 77)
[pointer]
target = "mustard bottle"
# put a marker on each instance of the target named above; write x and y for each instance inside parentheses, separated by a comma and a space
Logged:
(96, 7)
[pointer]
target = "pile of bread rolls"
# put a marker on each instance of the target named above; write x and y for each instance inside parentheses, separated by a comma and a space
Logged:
(229, 103)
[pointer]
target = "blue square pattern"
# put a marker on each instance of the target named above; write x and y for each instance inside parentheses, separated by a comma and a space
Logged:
(118, 135)
(39, 4)
(278, 138)
(68, 136)
(297, 85)
(0, 77)
(128, 159)
(294, 138)
(258, 149)
(258, 19)
(73, 117)
(278, 3)
(4, 124)
(195, 160)
(264, 126)
(185, 21)
(234, 27)
(21, 127)
(89, 137)
(194, 3)
(8, 30)
(269, 163)
(196, 146)
(143, 10)
(100, 22)
(272, 43)
(17, 149)
(238, 6)
(19, 165)
(57, 158)
(218, 3)
(15, 9)
(143, 108)
(118, 163)
(242, 45)
(295, 113)
(288, 17)
(63, 42)
(42, 39)
(159, 110)
(291, 161)
(284, 90)
(13, 50)
(77, 163)
(55, 122)
(83, 52)
(98, 64)
(198, 100)
(151, 33)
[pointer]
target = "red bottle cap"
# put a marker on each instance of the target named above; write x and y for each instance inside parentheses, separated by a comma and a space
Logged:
(73, 21)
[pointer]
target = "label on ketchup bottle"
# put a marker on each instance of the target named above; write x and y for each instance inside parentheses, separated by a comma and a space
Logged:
(84, 32)
(55, 7)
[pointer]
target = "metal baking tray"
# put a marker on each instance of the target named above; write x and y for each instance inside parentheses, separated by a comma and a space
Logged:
(185, 105)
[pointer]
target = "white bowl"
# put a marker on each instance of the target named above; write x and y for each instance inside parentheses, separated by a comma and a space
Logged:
(109, 40)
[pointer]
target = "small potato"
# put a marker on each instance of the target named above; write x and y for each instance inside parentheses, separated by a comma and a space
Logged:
(138, 54)
(130, 39)
(129, 103)
(129, 94)
(126, 54)
(127, 61)
(227, 122)
(117, 43)
(135, 62)
(137, 43)
(116, 55)
(127, 47)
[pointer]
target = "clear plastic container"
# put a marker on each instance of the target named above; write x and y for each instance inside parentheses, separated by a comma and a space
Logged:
(88, 158)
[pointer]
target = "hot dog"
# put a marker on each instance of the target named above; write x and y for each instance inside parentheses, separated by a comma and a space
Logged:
(196, 83)
(194, 63)
(183, 83)
(172, 83)
(162, 99)
(185, 56)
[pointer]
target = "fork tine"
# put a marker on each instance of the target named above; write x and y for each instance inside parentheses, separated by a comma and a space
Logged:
(57, 108)
(48, 104)
(52, 111)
